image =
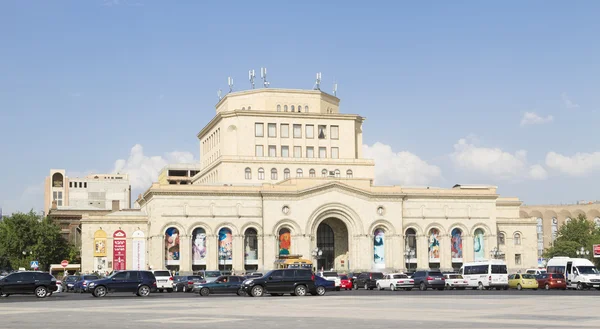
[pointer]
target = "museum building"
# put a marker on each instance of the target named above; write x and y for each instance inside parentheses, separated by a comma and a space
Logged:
(282, 173)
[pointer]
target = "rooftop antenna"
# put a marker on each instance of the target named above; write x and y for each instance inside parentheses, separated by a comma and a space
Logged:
(318, 83)
(335, 89)
(263, 75)
(251, 76)
(230, 83)
(219, 94)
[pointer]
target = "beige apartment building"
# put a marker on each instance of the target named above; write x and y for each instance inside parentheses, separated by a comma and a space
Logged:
(282, 173)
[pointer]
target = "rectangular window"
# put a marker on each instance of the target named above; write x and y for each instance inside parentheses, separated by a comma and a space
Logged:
(259, 129)
(70, 184)
(310, 131)
(297, 151)
(297, 131)
(310, 152)
(85, 185)
(272, 127)
(80, 185)
(322, 132)
(335, 132)
(517, 259)
(272, 151)
(258, 150)
(322, 152)
(285, 151)
(285, 130)
(335, 153)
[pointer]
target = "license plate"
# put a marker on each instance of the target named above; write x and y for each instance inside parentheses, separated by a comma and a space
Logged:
(162, 281)
(559, 281)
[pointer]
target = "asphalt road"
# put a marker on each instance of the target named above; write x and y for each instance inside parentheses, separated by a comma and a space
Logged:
(337, 310)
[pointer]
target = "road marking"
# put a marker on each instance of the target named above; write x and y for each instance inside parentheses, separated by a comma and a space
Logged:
(182, 320)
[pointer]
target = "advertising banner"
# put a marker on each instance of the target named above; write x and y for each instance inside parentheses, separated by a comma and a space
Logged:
(139, 251)
(119, 251)
(596, 249)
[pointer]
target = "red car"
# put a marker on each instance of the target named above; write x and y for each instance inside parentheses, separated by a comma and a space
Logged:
(552, 281)
(345, 282)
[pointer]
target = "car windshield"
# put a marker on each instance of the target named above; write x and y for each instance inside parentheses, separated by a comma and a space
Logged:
(71, 278)
(399, 276)
(113, 274)
(212, 274)
(330, 274)
(528, 276)
(587, 270)
(162, 273)
(455, 276)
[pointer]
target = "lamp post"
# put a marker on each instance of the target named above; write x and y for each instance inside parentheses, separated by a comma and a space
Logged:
(409, 254)
(583, 252)
(317, 253)
(495, 253)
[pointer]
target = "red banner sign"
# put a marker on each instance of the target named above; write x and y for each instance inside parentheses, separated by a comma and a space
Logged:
(119, 251)
(597, 251)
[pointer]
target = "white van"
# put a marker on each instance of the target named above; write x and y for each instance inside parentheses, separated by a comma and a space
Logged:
(536, 271)
(580, 272)
(486, 274)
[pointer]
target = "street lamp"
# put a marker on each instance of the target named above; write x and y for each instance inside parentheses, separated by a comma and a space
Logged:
(409, 254)
(495, 253)
(583, 252)
(317, 253)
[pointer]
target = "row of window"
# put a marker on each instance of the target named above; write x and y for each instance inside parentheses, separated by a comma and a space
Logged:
(259, 151)
(516, 239)
(81, 185)
(210, 178)
(291, 107)
(299, 173)
(211, 141)
(284, 130)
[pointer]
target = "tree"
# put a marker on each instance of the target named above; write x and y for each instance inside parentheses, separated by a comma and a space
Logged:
(27, 236)
(572, 236)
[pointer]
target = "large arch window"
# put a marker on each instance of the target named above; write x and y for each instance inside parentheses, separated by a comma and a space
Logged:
(172, 246)
(286, 173)
(285, 242)
(199, 246)
(326, 243)
(379, 248)
(540, 236)
(457, 248)
(411, 252)
(248, 173)
(261, 174)
(434, 245)
(311, 173)
(479, 244)
(299, 173)
(251, 248)
(554, 228)
(274, 174)
(225, 248)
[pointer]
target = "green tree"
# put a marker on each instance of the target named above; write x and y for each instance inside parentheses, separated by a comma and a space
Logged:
(572, 236)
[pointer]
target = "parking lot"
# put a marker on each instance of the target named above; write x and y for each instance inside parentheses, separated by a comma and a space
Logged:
(358, 309)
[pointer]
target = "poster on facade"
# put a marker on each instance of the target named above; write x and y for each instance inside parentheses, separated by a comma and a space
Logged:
(456, 239)
(225, 245)
(251, 247)
(199, 246)
(434, 245)
(139, 251)
(478, 245)
(596, 250)
(285, 242)
(100, 244)
(119, 251)
(172, 246)
(379, 248)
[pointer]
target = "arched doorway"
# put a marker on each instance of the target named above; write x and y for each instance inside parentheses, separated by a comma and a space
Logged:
(251, 249)
(457, 248)
(410, 249)
(332, 240)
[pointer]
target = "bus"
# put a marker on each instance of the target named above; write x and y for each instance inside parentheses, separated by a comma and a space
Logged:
(293, 261)
(580, 273)
(486, 274)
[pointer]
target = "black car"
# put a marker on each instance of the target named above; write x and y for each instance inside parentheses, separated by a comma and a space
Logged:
(39, 283)
(186, 283)
(429, 279)
(367, 280)
(297, 282)
(69, 282)
(82, 284)
(225, 284)
(141, 283)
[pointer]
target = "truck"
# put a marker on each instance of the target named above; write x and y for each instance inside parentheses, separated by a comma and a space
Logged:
(580, 273)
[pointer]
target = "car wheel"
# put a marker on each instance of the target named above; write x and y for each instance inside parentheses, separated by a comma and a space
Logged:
(422, 286)
(257, 291)
(355, 286)
(366, 287)
(177, 289)
(392, 287)
(519, 287)
(300, 290)
(480, 286)
(99, 291)
(547, 286)
(241, 292)
(321, 291)
(143, 291)
(379, 287)
(41, 292)
(204, 292)
(580, 286)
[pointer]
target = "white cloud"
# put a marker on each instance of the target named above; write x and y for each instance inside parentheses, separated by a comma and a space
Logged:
(579, 164)
(568, 103)
(531, 118)
(143, 170)
(402, 168)
(494, 162)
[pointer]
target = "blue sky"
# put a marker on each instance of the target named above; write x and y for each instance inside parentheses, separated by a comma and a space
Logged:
(478, 92)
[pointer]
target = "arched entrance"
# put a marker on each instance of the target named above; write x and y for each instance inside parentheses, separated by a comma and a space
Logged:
(332, 240)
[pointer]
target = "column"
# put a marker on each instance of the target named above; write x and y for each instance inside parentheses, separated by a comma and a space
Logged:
(422, 252)
(445, 253)
(212, 252)
(467, 247)
(270, 252)
(185, 254)
(237, 261)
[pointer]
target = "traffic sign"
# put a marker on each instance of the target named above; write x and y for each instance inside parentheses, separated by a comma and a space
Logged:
(34, 264)
(64, 263)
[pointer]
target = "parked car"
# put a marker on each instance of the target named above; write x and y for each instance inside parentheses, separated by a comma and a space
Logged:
(253, 275)
(345, 282)
(141, 283)
(225, 284)
(28, 282)
(186, 283)
(164, 280)
(455, 281)
(331, 276)
(323, 285)
(522, 281)
(297, 282)
(429, 279)
(367, 280)
(395, 281)
(552, 281)
(209, 276)
(82, 284)
(68, 282)
(536, 271)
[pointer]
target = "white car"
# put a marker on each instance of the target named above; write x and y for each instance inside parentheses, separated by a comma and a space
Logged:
(455, 281)
(164, 280)
(331, 276)
(395, 281)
